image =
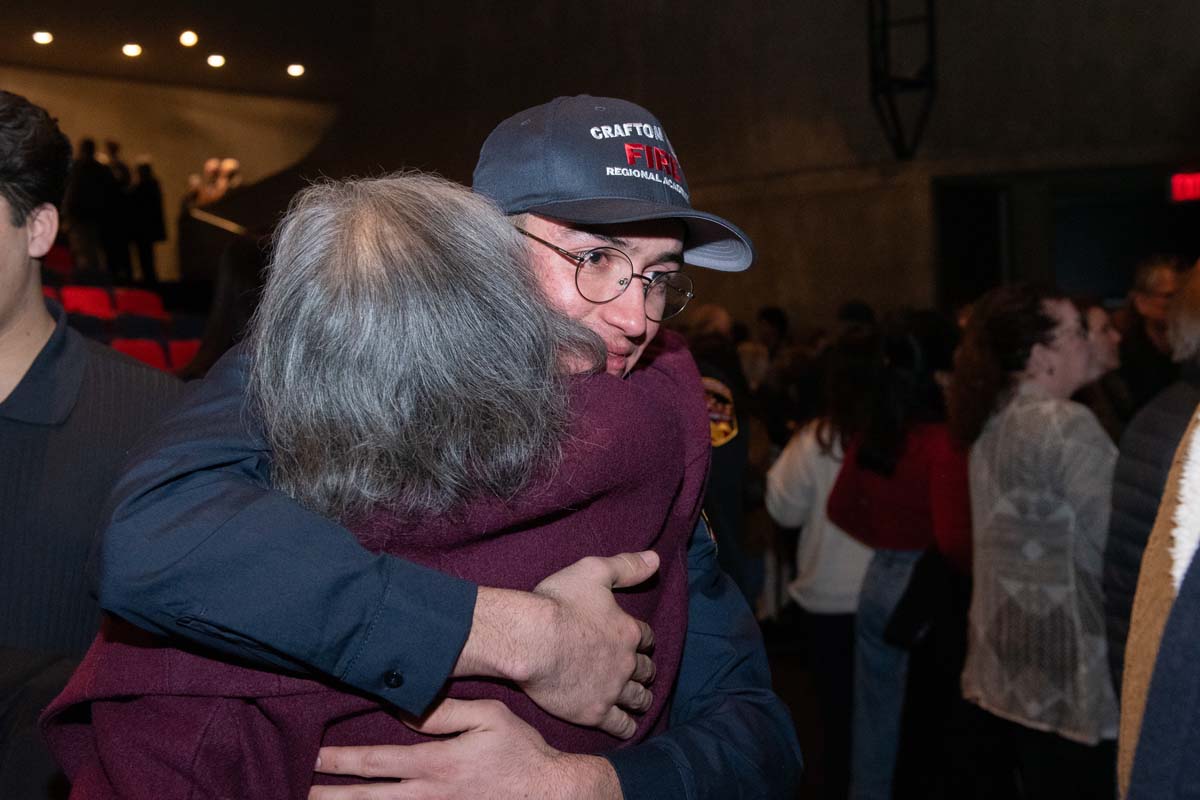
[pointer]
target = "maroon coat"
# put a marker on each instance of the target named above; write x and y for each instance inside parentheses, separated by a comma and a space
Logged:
(143, 719)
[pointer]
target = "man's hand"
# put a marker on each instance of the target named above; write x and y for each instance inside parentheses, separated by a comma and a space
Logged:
(568, 645)
(496, 756)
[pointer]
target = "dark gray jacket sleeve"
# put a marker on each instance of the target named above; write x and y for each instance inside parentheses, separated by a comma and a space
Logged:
(198, 546)
(730, 734)
(1147, 449)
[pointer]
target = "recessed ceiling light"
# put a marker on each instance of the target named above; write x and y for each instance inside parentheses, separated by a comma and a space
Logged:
(295, 70)
(132, 50)
(216, 60)
(188, 38)
(43, 37)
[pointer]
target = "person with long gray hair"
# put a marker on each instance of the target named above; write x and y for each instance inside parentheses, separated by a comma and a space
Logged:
(413, 383)
(376, 364)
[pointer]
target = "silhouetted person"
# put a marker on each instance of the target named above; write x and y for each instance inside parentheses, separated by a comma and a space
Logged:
(146, 221)
(710, 338)
(115, 228)
(1146, 364)
(88, 191)
(118, 168)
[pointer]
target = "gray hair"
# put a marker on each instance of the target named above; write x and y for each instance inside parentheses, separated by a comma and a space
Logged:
(402, 354)
(1183, 319)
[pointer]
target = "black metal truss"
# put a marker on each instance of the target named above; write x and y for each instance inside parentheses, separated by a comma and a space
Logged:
(887, 87)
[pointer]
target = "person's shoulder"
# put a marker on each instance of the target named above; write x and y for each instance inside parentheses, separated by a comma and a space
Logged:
(1076, 422)
(121, 373)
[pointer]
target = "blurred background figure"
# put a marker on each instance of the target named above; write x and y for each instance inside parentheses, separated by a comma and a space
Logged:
(902, 492)
(830, 564)
(147, 224)
(89, 190)
(710, 338)
(229, 176)
(771, 329)
(1105, 392)
(1040, 477)
(1146, 365)
(210, 189)
(116, 229)
(119, 169)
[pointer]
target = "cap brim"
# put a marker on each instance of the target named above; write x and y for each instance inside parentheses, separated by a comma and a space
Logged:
(711, 241)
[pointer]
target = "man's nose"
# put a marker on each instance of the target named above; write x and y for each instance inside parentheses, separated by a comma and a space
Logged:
(628, 312)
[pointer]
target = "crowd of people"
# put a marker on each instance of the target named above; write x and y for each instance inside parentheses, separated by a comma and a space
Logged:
(436, 435)
(974, 496)
(108, 208)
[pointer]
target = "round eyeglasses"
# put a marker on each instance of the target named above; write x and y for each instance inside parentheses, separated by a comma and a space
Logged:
(602, 274)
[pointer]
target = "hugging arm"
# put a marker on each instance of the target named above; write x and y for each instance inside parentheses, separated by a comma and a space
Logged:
(730, 735)
(199, 547)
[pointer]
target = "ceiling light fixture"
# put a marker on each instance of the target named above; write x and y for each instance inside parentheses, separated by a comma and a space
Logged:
(188, 38)
(216, 60)
(295, 70)
(43, 37)
(132, 50)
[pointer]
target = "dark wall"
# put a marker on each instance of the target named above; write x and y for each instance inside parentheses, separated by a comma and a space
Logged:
(767, 104)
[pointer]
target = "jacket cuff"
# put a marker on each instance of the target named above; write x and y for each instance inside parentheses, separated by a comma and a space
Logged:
(646, 772)
(414, 638)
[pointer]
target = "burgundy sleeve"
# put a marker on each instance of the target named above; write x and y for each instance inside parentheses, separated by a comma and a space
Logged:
(950, 500)
(848, 503)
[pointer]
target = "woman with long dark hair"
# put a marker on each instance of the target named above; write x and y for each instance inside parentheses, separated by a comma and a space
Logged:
(829, 563)
(1041, 472)
(901, 491)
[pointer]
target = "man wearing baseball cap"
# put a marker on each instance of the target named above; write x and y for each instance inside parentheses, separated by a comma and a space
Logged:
(193, 550)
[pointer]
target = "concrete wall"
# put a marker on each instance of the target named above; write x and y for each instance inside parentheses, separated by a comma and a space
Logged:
(767, 103)
(177, 127)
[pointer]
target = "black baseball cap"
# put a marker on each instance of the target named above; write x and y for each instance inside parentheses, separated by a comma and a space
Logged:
(597, 161)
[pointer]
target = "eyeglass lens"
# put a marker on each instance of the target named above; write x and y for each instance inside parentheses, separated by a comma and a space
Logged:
(605, 272)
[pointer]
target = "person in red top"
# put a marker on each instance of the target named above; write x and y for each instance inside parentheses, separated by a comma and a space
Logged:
(902, 490)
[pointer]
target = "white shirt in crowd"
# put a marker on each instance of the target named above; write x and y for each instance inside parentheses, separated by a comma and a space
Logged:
(830, 564)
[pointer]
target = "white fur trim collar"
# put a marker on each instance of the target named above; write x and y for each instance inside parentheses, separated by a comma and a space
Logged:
(1186, 534)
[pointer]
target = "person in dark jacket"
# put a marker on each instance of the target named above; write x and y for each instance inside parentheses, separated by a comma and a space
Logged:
(1146, 365)
(147, 226)
(710, 337)
(90, 189)
(1146, 450)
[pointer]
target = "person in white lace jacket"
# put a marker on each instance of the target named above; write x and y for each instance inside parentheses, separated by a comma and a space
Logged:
(1041, 472)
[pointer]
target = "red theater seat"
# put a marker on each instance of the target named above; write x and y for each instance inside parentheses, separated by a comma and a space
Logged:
(93, 301)
(141, 303)
(148, 351)
(51, 292)
(182, 352)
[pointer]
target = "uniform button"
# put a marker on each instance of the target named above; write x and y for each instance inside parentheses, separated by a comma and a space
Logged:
(393, 679)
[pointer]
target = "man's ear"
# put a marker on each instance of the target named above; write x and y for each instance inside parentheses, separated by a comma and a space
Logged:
(41, 226)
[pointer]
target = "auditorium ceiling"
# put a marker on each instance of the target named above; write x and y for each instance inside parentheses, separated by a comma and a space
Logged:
(258, 40)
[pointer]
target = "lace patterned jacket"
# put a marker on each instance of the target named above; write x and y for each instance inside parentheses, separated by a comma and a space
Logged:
(1041, 479)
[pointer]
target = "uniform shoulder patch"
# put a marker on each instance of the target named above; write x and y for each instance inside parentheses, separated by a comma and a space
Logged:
(722, 416)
